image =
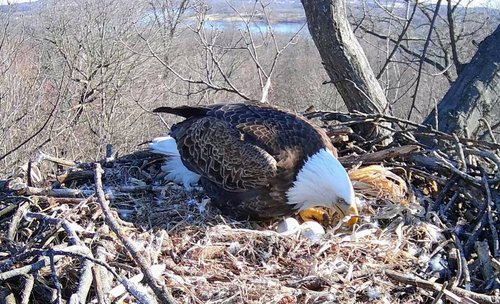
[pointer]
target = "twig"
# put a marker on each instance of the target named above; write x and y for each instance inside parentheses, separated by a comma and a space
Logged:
(460, 153)
(80, 193)
(157, 271)
(491, 221)
(8, 209)
(483, 252)
(53, 275)
(25, 270)
(52, 256)
(101, 275)
(452, 200)
(439, 200)
(421, 130)
(463, 262)
(446, 163)
(440, 295)
(159, 290)
(66, 192)
(490, 130)
(489, 155)
(379, 156)
(7, 296)
(16, 219)
(83, 253)
(43, 156)
(456, 294)
(456, 279)
(73, 237)
(84, 283)
(476, 231)
(29, 282)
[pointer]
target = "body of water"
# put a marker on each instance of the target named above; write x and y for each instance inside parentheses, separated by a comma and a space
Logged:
(256, 27)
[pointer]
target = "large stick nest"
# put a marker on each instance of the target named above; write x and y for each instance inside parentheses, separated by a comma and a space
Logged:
(428, 230)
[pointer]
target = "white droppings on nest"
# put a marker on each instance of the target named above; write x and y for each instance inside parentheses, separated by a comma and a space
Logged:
(337, 265)
(437, 263)
(373, 293)
(424, 259)
(413, 250)
(126, 214)
(109, 194)
(361, 202)
(202, 207)
(433, 232)
(192, 202)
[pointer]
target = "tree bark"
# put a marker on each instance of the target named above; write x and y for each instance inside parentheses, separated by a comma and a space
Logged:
(342, 55)
(474, 93)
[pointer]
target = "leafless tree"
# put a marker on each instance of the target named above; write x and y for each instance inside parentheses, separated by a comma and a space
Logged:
(84, 38)
(22, 112)
(224, 55)
(424, 42)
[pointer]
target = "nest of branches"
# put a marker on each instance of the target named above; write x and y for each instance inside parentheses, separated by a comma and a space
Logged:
(114, 231)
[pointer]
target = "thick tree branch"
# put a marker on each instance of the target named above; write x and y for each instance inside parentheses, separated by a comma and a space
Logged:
(473, 94)
(344, 59)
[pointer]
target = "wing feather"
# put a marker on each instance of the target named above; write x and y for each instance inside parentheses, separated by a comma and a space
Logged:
(215, 150)
(273, 129)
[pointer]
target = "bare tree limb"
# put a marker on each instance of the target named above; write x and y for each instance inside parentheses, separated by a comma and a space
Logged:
(159, 289)
(458, 294)
(422, 58)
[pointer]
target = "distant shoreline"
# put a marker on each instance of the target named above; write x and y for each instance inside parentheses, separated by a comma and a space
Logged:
(276, 18)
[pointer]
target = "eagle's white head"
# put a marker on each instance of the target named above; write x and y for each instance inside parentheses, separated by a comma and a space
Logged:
(323, 182)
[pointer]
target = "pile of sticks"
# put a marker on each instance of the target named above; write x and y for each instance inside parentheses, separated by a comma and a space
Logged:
(115, 231)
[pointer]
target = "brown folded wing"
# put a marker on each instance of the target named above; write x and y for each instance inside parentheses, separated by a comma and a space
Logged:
(211, 148)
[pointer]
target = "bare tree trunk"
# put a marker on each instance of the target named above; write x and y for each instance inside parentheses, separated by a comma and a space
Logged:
(473, 94)
(343, 58)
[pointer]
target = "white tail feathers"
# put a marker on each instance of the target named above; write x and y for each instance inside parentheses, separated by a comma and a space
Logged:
(175, 169)
(165, 145)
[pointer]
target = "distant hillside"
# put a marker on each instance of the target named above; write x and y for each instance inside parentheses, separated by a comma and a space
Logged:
(22, 8)
(281, 10)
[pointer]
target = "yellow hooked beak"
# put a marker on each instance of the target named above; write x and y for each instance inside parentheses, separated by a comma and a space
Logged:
(348, 210)
(353, 212)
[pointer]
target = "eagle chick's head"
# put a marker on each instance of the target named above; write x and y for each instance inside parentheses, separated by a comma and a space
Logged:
(323, 182)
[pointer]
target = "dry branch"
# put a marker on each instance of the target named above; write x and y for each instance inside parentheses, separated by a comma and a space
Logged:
(456, 295)
(159, 289)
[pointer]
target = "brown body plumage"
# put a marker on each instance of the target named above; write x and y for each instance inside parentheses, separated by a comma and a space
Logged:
(247, 155)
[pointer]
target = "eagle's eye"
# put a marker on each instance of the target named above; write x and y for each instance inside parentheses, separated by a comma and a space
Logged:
(341, 201)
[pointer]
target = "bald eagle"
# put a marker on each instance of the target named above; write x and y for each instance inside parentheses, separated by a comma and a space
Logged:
(255, 161)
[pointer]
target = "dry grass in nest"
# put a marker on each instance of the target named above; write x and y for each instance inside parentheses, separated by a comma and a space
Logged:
(428, 229)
